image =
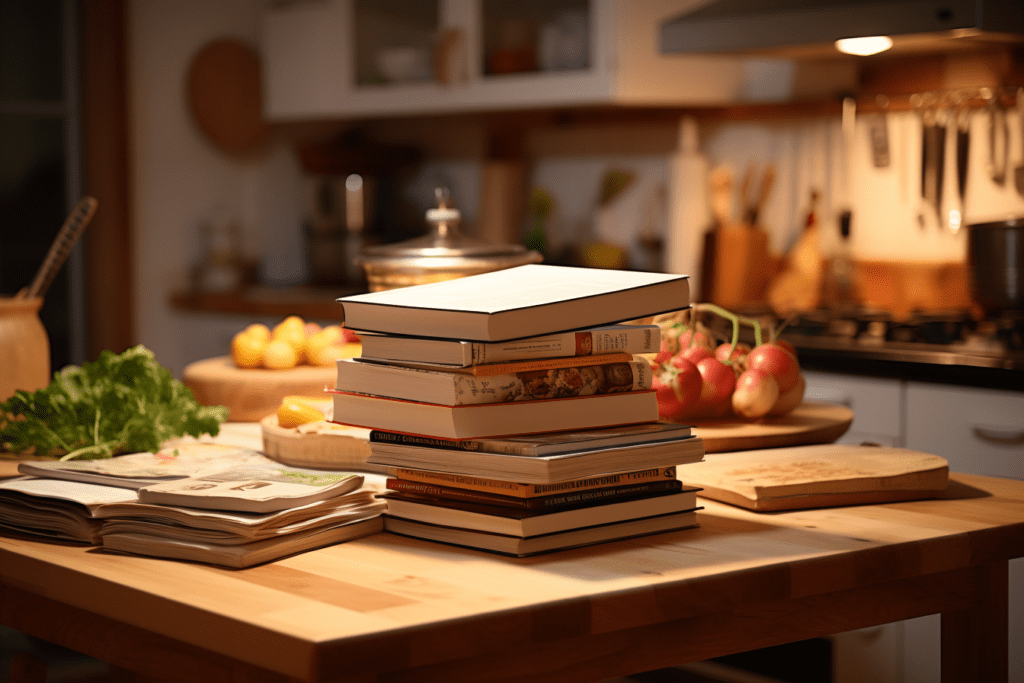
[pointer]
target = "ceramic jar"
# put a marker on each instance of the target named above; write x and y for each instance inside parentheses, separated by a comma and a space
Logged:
(24, 347)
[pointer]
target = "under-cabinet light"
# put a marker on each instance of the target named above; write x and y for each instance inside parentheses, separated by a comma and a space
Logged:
(868, 45)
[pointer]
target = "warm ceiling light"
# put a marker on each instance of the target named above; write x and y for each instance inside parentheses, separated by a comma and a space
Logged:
(868, 45)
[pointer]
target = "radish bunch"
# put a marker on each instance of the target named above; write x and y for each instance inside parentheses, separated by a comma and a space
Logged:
(696, 378)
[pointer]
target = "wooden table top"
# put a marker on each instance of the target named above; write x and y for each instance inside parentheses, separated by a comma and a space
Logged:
(388, 604)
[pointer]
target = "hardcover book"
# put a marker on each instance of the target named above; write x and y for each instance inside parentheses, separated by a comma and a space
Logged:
(631, 339)
(451, 388)
(541, 469)
(495, 419)
(524, 490)
(527, 523)
(535, 545)
(552, 443)
(515, 303)
(413, 490)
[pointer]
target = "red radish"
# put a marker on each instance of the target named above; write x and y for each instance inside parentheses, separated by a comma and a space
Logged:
(789, 400)
(699, 339)
(786, 345)
(695, 354)
(777, 362)
(722, 352)
(687, 383)
(664, 353)
(756, 393)
(719, 381)
(668, 404)
(677, 390)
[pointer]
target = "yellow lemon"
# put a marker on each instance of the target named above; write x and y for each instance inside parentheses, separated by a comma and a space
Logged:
(259, 331)
(280, 355)
(316, 343)
(294, 413)
(292, 322)
(333, 333)
(247, 350)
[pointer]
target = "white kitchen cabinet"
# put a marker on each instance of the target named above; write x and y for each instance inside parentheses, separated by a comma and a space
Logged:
(980, 431)
(877, 405)
(316, 54)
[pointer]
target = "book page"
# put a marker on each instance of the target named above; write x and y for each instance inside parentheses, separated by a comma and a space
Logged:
(89, 495)
(250, 484)
(180, 461)
(513, 288)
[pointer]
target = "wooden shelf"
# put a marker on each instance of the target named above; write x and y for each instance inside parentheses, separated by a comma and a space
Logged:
(313, 303)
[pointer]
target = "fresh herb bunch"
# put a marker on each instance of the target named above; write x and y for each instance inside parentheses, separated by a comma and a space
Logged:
(121, 403)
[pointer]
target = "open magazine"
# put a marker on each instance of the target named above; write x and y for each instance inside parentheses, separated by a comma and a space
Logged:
(241, 508)
(141, 469)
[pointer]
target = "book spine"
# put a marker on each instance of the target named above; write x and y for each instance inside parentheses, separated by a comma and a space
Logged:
(570, 382)
(491, 369)
(381, 436)
(510, 488)
(584, 498)
(624, 339)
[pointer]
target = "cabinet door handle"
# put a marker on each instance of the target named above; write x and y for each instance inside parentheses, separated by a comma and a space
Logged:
(1000, 435)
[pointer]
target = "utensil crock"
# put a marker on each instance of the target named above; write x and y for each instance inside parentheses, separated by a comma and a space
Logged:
(24, 346)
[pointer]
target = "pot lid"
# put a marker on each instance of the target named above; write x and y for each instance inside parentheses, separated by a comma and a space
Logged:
(444, 245)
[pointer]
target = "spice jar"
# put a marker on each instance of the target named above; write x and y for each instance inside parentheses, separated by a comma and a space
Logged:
(443, 254)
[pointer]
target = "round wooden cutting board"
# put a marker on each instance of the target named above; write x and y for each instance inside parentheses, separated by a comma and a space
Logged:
(810, 423)
(332, 447)
(252, 394)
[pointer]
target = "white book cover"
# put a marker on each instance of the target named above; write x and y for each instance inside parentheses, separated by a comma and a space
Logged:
(515, 303)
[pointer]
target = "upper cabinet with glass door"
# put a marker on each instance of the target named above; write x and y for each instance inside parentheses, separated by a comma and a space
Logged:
(357, 58)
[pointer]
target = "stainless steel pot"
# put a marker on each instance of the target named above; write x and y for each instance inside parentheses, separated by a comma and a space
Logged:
(443, 254)
(995, 256)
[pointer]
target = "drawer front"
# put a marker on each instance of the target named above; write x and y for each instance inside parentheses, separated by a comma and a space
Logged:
(877, 405)
(980, 431)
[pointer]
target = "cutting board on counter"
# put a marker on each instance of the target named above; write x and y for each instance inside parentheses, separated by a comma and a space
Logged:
(810, 423)
(817, 476)
(252, 394)
(322, 446)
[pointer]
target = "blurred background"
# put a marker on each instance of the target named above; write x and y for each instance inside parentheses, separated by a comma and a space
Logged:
(244, 153)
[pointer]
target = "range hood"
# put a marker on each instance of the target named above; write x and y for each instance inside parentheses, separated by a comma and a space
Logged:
(809, 28)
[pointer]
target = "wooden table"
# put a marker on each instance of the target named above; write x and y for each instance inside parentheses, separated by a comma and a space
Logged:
(395, 609)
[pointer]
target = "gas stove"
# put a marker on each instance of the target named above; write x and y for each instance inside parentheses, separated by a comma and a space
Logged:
(949, 338)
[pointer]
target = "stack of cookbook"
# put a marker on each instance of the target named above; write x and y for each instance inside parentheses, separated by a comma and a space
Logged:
(202, 502)
(511, 411)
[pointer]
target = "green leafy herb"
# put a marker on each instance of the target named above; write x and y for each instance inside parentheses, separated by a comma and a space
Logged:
(121, 403)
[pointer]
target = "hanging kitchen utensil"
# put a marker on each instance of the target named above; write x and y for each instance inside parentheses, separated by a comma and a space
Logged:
(925, 116)
(878, 132)
(998, 139)
(933, 160)
(963, 147)
(1018, 173)
(66, 238)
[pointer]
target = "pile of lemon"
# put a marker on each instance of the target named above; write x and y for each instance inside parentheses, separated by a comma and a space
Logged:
(292, 342)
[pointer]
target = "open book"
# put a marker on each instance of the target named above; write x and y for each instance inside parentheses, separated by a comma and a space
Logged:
(141, 469)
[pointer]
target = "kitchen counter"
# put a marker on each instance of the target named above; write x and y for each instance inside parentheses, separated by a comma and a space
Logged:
(947, 364)
(404, 609)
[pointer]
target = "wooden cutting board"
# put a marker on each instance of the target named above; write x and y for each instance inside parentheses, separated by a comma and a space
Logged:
(817, 476)
(252, 394)
(810, 423)
(318, 445)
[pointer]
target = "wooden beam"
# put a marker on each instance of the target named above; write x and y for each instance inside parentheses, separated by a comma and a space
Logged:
(108, 241)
